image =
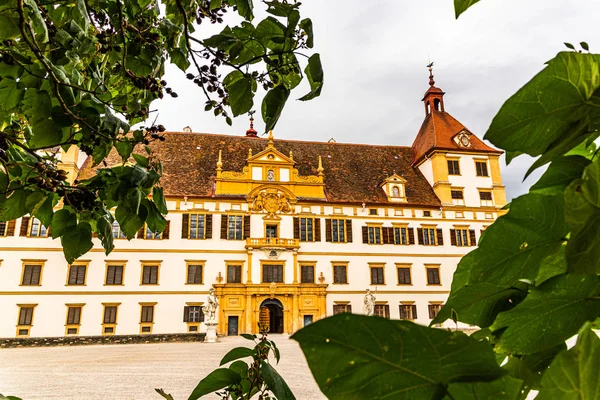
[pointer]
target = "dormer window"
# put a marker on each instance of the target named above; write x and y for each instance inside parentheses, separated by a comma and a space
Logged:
(394, 188)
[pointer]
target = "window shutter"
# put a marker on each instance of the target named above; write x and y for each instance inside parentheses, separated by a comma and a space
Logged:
(317, 229)
(35, 275)
(246, 226)
(453, 237)
(10, 229)
(365, 234)
(440, 237)
(201, 315)
(165, 233)
(328, 237)
(387, 311)
(24, 226)
(349, 308)
(140, 233)
(110, 277)
(146, 277)
(411, 235)
(296, 228)
(224, 226)
(186, 314)
(431, 312)
(472, 238)
(386, 235)
(420, 235)
(349, 230)
(414, 311)
(73, 274)
(208, 226)
(185, 224)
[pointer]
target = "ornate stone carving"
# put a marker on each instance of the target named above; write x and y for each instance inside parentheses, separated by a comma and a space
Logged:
(233, 175)
(272, 202)
(305, 179)
(369, 303)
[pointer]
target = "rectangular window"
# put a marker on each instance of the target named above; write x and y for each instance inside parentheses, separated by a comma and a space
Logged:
(152, 235)
(271, 231)
(110, 315)
(457, 197)
(272, 273)
(377, 276)
(453, 167)
(342, 308)
(197, 226)
(307, 229)
(408, 311)
(26, 315)
(486, 198)
(234, 274)
(150, 275)
(117, 233)
(434, 309)
(3, 228)
(374, 234)
(36, 229)
(77, 274)
(400, 235)
(147, 315)
(429, 236)
(462, 237)
(427, 213)
(74, 316)
(307, 274)
(32, 275)
(372, 211)
(194, 274)
(194, 314)
(382, 310)
(481, 168)
(114, 275)
(235, 227)
(404, 277)
(338, 230)
(433, 276)
(340, 274)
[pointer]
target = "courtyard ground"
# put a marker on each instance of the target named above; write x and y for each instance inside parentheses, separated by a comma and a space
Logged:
(131, 372)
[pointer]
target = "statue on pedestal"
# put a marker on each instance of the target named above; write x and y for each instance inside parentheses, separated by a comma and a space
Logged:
(210, 309)
(369, 303)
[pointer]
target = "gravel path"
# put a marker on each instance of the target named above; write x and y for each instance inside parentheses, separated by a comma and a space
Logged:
(131, 372)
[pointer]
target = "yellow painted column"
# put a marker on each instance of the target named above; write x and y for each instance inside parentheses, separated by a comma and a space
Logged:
(286, 316)
(68, 162)
(295, 264)
(249, 280)
(322, 306)
(295, 313)
(441, 184)
(249, 314)
(497, 186)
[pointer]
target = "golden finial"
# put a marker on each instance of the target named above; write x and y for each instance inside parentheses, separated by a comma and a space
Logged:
(219, 162)
(249, 153)
(291, 155)
(320, 168)
(270, 138)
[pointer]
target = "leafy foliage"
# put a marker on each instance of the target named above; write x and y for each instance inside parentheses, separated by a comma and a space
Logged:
(82, 73)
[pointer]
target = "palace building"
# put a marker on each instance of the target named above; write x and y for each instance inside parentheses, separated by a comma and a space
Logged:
(286, 232)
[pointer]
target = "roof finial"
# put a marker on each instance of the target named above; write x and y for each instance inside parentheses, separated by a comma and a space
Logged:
(430, 67)
(219, 162)
(320, 167)
(270, 143)
(251, 132)
(250, 153)
(291, 155)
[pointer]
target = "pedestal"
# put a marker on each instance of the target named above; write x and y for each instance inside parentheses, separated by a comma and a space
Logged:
(211, 332)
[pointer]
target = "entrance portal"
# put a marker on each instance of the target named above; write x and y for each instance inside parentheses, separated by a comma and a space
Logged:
(271, 313)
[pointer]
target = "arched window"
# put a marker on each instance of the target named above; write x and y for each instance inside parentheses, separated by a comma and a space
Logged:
(436, 104)
(428, 108)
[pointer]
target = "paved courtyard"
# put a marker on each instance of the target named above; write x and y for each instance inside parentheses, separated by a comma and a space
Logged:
(131, 372)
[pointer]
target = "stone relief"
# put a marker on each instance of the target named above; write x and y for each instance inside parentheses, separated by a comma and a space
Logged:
(272, 202)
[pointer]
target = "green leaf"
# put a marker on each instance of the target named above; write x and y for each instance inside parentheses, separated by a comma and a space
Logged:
(307, 26)
(573, 375)
(63, 220)
(44, 209)
(124, 148)
(141, 160)
(76, 242)
(554, 107)
(551, 313)
(272, 106)
(9, 28)
(314, 73)
(560, 174)
(216, 380)
(505, 388)
(248, 336)
(358, 357)
(214, 4)
(244, 8)
(530, 368)
(10, 95)
(129, 221)
(460, 6)
(158, 197)
(240, 367)
(236, 354)
(14, 206)
(156, 222)
(239, 87)
(104, 228)
(276, 383)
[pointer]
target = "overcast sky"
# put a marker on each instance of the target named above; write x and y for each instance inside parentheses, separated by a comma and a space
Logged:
(374, 59)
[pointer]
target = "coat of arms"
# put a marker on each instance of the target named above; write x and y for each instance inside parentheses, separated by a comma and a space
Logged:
(272, 202)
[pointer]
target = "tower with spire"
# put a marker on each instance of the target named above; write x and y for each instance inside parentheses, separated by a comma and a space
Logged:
(461, 168)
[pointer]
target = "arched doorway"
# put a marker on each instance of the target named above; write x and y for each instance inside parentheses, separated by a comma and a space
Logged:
(271, 313)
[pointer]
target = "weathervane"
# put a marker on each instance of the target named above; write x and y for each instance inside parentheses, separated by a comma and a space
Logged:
(430, 67)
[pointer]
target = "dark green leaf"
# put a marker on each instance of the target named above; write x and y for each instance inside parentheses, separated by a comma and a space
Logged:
(276, 383)
(216, 380)
(236, 354)
(141, 160)
(560, 174)
(551, 313)
(129, 221)
(570, 46)
(358, 357)
(76, 242)
(248, 336)
(574, 374)
(10, 95)
(239, 87)
(585, 46)
(505, 388)
(240, 367)
(156, 222)
(63, 221)
(124, 148)
(530, 368)
(245, 8)
(14, 206)
(272, 106)
(8, 26)
(159, 199)
(460, 6)
(44, 209)
(314, 73)
(307, 26)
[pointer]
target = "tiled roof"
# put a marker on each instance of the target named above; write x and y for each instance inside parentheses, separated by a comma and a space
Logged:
(437, 132)
(353, 172)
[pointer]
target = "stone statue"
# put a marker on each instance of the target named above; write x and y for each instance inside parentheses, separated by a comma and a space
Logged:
(210, 309)
(369, 303)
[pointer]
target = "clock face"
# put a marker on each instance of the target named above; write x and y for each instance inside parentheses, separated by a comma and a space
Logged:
(464, 140)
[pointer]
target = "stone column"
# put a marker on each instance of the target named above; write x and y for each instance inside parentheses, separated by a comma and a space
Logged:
(286, 315)
(295, 264)
(249, 280)
(295, 313)
(322, 306)
(249, 314)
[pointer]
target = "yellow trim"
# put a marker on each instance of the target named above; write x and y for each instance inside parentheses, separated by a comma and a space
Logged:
(118, 263)
(375, 226)
(338, 218)
(307, 264)
(271, 222)
(339, 264)
(73, 326)
(457, 229)
(187, 270)
(194, 303)
(28, 327)
(409, 266)
(344, 292)
(25, 262)
(148, 263)
(85, 274)
(110, 325)
(29, 226)
(433, 266)
(487, 169)
(234, 263)
(264, 263)
(371, 267)
(146, 324)
(190, 225)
